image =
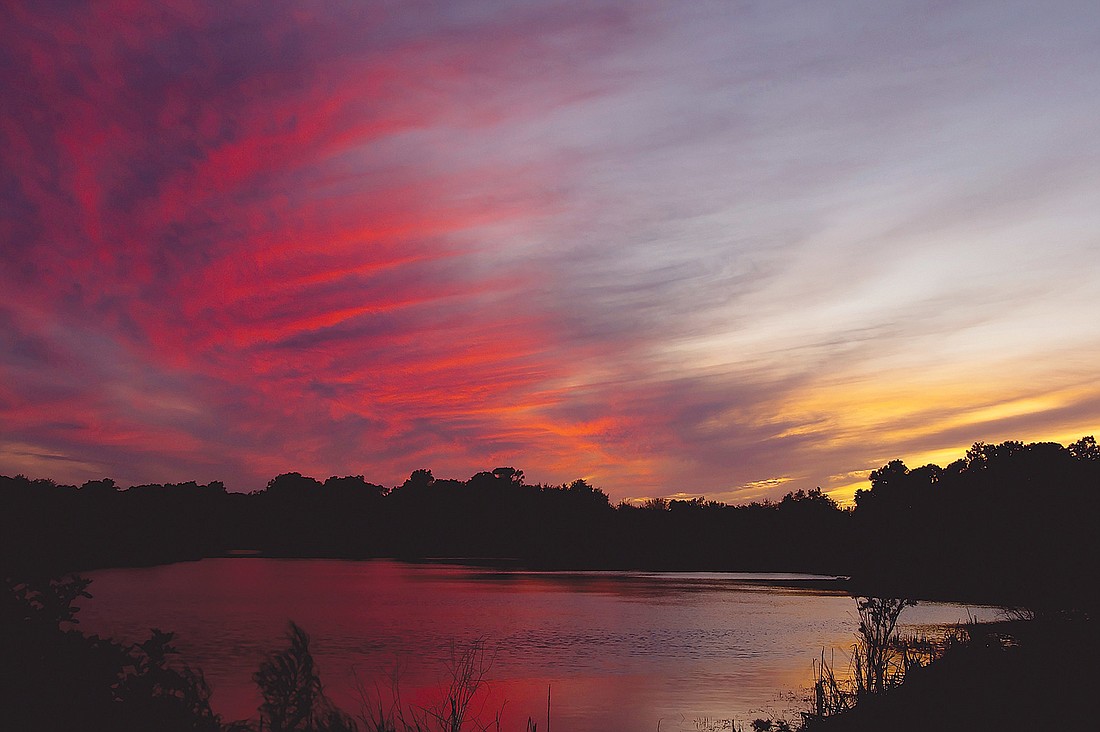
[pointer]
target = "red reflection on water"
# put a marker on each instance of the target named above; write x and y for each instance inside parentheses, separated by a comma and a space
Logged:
(618, 651)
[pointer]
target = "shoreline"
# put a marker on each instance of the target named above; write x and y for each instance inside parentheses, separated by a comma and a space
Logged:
(853, 586)
(1024, 675)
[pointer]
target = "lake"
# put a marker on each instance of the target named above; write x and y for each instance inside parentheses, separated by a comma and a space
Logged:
(618, 651)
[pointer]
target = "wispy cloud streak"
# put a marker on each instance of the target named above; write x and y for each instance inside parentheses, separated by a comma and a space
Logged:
(677, 249)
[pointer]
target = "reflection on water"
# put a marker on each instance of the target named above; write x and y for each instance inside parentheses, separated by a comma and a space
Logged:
(619, 650)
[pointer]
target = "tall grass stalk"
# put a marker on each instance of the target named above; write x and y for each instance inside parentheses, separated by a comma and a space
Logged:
(461, 707)
(876, 656)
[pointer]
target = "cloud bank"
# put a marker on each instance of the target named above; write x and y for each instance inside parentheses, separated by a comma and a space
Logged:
(707, 248)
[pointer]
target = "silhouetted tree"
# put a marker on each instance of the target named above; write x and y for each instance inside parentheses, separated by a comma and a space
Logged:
(1085, 449)
(1005, 519)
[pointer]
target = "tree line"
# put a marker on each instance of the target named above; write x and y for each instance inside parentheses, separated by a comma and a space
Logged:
(1008, 522)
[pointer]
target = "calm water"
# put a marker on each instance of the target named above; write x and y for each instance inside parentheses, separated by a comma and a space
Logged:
(619, 651)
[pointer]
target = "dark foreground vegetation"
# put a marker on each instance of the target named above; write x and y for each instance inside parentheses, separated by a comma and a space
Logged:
(1014, 675)
(1023, 673)
(55, 678)
(1008, 523)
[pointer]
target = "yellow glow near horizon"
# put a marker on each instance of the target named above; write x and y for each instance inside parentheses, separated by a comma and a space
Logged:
(844, 494)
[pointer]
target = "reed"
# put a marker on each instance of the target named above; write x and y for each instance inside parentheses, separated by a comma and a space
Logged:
(459, 709)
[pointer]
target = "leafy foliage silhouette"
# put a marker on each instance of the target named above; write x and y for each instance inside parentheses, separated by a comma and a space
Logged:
(55, 677)
(293, 696)
(1009, 523)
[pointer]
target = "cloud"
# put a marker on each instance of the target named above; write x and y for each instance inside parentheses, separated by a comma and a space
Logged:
(714, 249)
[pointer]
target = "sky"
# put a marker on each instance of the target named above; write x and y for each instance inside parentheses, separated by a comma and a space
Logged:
(728, 249)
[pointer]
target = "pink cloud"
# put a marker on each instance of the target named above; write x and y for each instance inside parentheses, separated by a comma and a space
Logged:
(334, 239)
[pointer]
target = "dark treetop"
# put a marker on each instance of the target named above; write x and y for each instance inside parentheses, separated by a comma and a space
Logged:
(1009, 523)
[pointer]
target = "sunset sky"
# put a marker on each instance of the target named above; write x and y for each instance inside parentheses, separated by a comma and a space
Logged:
(706, 248)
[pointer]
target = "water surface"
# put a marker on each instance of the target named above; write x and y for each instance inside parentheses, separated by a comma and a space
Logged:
(619, 651)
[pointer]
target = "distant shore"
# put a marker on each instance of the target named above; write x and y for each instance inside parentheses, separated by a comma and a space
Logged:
(834, 584)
